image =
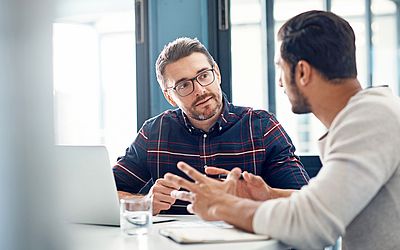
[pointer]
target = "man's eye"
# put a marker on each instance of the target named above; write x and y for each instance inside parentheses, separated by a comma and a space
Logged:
(183, 85)
(203, 76)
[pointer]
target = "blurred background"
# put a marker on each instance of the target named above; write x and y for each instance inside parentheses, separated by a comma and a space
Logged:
(103, 64)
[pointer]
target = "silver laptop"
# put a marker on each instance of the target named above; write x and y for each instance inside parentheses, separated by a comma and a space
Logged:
(88, 185)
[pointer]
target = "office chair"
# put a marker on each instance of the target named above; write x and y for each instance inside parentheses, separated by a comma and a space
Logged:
(312, 165)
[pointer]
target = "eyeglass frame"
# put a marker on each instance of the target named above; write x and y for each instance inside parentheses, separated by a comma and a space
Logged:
(192, 80)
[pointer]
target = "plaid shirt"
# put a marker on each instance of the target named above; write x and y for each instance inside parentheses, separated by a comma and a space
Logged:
(252, 140)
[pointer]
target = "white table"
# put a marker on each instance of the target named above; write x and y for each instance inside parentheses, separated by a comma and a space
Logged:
(105, 237)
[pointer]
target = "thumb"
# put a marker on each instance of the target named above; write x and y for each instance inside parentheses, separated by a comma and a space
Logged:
(253, 179)
(189, 208)
(234, 174)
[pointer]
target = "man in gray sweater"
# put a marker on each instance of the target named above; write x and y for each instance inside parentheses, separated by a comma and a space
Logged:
(356, 194)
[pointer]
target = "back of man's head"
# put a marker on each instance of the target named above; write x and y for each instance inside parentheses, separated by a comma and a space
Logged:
(324, 40)
(178, 49)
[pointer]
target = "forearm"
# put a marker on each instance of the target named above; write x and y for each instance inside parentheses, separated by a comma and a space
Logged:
(229, 208)
(275, 193)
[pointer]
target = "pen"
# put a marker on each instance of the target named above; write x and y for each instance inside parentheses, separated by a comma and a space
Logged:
(162, 221)
(223, 176)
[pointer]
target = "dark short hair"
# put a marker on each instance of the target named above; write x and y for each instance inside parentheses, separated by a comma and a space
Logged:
(323, 39)
(177, 49)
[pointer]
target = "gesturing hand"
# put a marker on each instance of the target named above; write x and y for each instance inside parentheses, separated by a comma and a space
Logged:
(161, 191)
(206, 193)
(251, 187)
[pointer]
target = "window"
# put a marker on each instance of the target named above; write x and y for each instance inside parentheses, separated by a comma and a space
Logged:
(94, 81)
(305, 129)
(384, 37)
(377, 61)
(354, 12)
(248, 54)
(249, 67)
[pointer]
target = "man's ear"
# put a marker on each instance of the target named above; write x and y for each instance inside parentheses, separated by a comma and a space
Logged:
(169, 98)
(217, 73)
(303, 72)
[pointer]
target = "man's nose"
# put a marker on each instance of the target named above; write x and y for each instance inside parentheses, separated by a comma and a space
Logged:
(198, 88)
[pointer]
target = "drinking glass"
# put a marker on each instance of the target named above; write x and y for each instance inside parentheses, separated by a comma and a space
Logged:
(136, 215)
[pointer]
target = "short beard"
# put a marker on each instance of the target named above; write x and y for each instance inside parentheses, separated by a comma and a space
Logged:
(201, 117)
(300, 105)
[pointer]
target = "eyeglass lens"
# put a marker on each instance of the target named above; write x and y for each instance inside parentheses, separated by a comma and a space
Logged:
(205, 78)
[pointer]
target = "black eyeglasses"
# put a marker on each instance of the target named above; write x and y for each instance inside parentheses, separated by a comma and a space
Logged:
(186, 87)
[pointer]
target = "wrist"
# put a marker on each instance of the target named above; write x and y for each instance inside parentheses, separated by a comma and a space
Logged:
(275, 193)
(230, 207)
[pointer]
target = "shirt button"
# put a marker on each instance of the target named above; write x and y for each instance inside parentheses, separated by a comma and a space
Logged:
(205, 166)
(220, 128)
(205, 135)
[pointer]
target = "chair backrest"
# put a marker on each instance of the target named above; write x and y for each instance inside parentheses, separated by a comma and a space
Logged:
(311, 163)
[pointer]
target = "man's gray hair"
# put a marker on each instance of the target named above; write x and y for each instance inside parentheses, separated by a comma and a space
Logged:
(175, 50)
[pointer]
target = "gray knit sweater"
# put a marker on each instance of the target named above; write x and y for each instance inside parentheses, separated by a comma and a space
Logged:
(356, 194)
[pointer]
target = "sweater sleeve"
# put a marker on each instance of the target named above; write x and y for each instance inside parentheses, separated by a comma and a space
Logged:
(359, 156)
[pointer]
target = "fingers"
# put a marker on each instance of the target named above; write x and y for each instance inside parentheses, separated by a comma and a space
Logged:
(191, 172)
(190, 208)
(246, 176)
(164, 187)
(215, 171)
(166, 183)
(183, 195)
(181, 182)
(253, 179)
(234, 175)
(161, 195)
(161, 202)
(159, 206)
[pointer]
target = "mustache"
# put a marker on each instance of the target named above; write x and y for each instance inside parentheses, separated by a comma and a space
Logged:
(202, 97)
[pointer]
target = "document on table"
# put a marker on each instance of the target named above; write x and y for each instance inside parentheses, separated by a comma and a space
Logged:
(207, 232)
(161, 219)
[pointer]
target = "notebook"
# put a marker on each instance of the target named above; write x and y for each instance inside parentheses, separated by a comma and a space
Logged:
(207, 232)
(88, 185)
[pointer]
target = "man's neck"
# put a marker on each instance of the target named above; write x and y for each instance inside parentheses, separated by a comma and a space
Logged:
(333, 98)
(204, 125)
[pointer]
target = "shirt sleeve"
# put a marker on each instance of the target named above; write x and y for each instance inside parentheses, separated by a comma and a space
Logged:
(358, 162)
(131, 172)
(283, 168)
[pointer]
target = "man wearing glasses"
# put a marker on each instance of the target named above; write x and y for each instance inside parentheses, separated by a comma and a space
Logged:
(206, 130)
(356, 193)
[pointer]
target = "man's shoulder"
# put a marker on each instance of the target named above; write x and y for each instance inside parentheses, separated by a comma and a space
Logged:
(247, 111)
(379, 101)
(165, 117)
(263, 114)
